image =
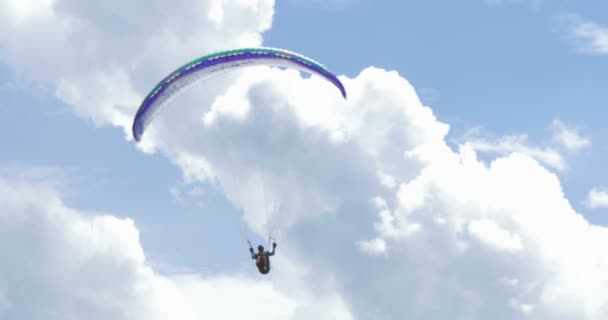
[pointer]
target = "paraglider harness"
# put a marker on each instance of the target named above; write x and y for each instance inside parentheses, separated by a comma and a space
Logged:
(262, 260)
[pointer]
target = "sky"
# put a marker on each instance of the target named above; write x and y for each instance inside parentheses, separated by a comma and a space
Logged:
(462, 178)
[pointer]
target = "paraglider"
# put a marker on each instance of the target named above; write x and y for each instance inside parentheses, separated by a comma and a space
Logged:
(189, 74)
(262, 258)
(204, 67)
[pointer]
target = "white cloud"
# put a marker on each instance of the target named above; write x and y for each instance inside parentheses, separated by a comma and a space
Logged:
(506, 208)
(450, 228)
(564, 138)
(597, 198)
(103, 57)
(375, 246)
(86, 265)
(487, 231)
(535, 4)
(524, 308)
(340, 219)
(569, 138)
(387, 180)
(518, 143)
(590, 36)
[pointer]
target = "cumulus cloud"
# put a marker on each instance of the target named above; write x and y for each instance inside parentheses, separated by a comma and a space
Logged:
(496, 3)
(519, 143)
(61, 263)
(379, 217)
(372, 218)
(103, 57)
(494, 224)
(590, 37)
(563, 139)
(373, 247)
(487, 231)
(567, 137)
(597, 198)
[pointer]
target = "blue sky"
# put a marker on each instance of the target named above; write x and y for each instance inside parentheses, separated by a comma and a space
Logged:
(493, 71)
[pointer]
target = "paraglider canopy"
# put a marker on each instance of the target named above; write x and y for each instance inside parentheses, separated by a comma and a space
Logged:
(202, 68)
